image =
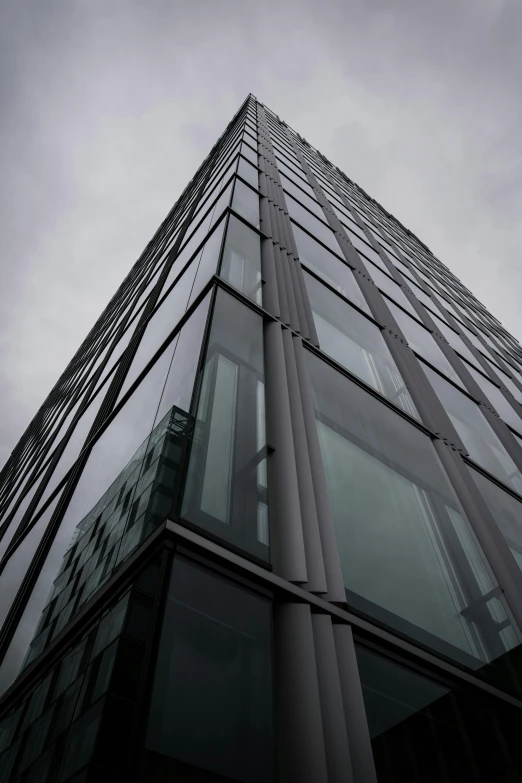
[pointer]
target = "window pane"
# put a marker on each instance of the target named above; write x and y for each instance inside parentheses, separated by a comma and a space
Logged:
(74, 446)
(291, 186)
(126, 486)
(506, 511)
(241, 264)
(352, 227)
(226, 489)
(390, 287)
(428, 303)
(212, 696)
(515, 391)
(422, 731)
(356, 343)
(497, 400)
(207, 261)
(248, 172)
(246, 203)
(161, 324)
(15, 521)
(312, 224)
(477, 436)
(408, 555)
(304, 198)
(421, 341)
(455, 341)
(365, 249)
(328, 267)
(10, 582)
(249, 153)
(289, 171)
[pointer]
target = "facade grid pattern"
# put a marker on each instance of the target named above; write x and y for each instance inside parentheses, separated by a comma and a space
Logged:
(267, 525)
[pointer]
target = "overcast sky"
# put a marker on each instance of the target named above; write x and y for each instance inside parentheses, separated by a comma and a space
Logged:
(107, 107)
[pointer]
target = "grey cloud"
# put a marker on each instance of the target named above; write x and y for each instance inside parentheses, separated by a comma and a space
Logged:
(108, 107)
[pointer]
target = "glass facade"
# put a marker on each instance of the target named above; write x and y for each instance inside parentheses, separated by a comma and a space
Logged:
(241, 540)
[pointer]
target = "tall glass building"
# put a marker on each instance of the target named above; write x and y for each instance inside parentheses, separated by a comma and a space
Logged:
(267, 526)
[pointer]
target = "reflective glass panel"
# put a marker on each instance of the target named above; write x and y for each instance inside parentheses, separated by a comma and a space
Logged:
(428, 303)
(456, 342)
(390, 287)
(304, 190)
(366, 250)
(309, 203)
(249, 153)
(10, 581)
(207, 261)
(408, 555)
(161, 324)
(241, 264)
(328, 267)
(312, 224)
(421, 341)
(225, 489)
(509, 384)
(422, 731)
(356, 343)
(497, 400)
(126, 487)
(506, 511)
(289, 171)
(246, 203)
(248, 173)
(73, 447)
(476, 434)
(211, 706)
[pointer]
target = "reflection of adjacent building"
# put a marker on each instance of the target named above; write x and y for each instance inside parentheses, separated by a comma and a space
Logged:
(131, 509)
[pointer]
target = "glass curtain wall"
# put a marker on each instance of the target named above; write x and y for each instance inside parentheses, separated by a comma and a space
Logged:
(225, 491)
(408, 555)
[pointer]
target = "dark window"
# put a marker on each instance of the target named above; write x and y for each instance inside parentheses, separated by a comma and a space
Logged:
(424, 732)
(212, 697)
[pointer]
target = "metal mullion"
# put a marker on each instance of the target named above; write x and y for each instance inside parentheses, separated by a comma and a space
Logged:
(317, 581)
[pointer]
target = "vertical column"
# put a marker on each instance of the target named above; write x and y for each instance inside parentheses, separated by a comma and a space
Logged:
(302, 753)
(357, 726)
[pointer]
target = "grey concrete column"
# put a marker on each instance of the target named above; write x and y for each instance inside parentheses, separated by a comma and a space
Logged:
(312, 539)
(303, 321)
(332, 706)
(292, 306)
(269, 277)
(306, 303)
(302, 755)
(288, 548)
(361, 753)
(281, 286)
(332, 564)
